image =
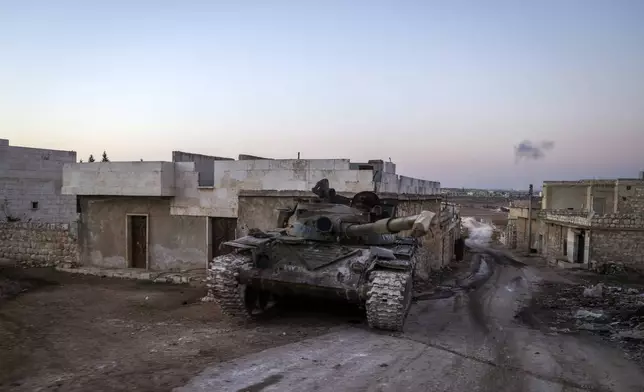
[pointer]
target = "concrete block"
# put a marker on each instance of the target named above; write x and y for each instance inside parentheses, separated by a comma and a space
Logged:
(341, 164)
(262, 164)
(321, 164)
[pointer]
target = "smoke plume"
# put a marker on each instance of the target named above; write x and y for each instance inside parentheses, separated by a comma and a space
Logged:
(529, 150)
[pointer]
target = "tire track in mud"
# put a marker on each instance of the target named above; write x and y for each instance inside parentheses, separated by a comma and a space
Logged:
(493, 276)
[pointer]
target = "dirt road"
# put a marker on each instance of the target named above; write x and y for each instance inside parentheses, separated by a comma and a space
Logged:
(463, 338)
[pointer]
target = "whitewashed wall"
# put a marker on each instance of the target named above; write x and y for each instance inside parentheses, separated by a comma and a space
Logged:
(119, 178)
(232, 176)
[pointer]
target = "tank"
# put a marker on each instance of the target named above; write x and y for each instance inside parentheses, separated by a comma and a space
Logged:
(329, 246)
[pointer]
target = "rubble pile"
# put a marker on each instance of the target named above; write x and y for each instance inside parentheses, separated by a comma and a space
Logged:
(613, 312)
(611, 269)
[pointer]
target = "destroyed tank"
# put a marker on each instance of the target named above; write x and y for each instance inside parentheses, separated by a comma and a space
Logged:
(329, 246)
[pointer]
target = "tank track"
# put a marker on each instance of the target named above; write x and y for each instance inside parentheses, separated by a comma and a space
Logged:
(388, 299)
(226, 290)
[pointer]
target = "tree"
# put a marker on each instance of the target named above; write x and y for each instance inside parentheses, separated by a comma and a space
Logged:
(91, 158)
(105, 157)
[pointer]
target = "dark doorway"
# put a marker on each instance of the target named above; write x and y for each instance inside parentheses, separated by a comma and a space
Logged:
(459, 249)
(581, 245)
(223, 229)
(138, 241)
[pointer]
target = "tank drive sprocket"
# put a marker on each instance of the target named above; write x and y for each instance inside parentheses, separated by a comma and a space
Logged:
(236, 300)
(388, 299)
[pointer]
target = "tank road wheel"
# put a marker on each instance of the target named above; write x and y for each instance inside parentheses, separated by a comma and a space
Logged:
(388, 299)
(236, 300)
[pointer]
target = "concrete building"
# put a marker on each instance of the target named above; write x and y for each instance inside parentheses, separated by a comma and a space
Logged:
(174, 215)
(36, 220)
(516, 231)
(30, 184)
(593, 222)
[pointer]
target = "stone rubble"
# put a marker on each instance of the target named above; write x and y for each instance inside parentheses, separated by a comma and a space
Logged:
(612, 311)
(596, 291)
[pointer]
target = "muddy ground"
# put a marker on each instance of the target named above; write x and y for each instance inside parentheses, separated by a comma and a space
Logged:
(63, 332)
(462, 336)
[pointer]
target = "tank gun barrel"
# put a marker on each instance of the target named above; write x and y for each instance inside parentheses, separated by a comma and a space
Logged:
(419, 225)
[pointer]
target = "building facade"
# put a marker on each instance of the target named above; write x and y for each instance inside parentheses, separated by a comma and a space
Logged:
(173, 216)
(518, 228)
(30, 185)
(37, 221)
(593, 221)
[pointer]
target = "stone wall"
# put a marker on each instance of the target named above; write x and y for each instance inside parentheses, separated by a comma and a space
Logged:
(438, 246)
(30, 185)
(618, 221)
(509, 238)
(592, 220)
(610, 246)
(569, 217)
(630, 197)
(554, 237)
(39, 244)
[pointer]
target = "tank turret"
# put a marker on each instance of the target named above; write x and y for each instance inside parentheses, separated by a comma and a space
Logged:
(332, 217)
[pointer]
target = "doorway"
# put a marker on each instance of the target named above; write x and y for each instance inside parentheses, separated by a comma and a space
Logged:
(223, 229)
(581, 245)
(137, 241)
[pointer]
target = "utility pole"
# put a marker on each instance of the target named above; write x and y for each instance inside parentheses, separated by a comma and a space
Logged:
(530, 218)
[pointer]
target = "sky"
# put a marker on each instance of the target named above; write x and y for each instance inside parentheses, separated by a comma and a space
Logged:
(445, 89)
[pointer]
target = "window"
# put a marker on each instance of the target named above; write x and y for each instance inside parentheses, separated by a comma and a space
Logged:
(34, 205)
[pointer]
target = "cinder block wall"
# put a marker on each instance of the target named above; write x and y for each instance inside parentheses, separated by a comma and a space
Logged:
(30, 185)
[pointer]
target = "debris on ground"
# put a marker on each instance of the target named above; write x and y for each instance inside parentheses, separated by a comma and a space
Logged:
(611, 269)
(614, 312)
(596, 291)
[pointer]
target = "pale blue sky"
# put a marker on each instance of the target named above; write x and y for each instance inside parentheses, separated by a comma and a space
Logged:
(444, 88)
